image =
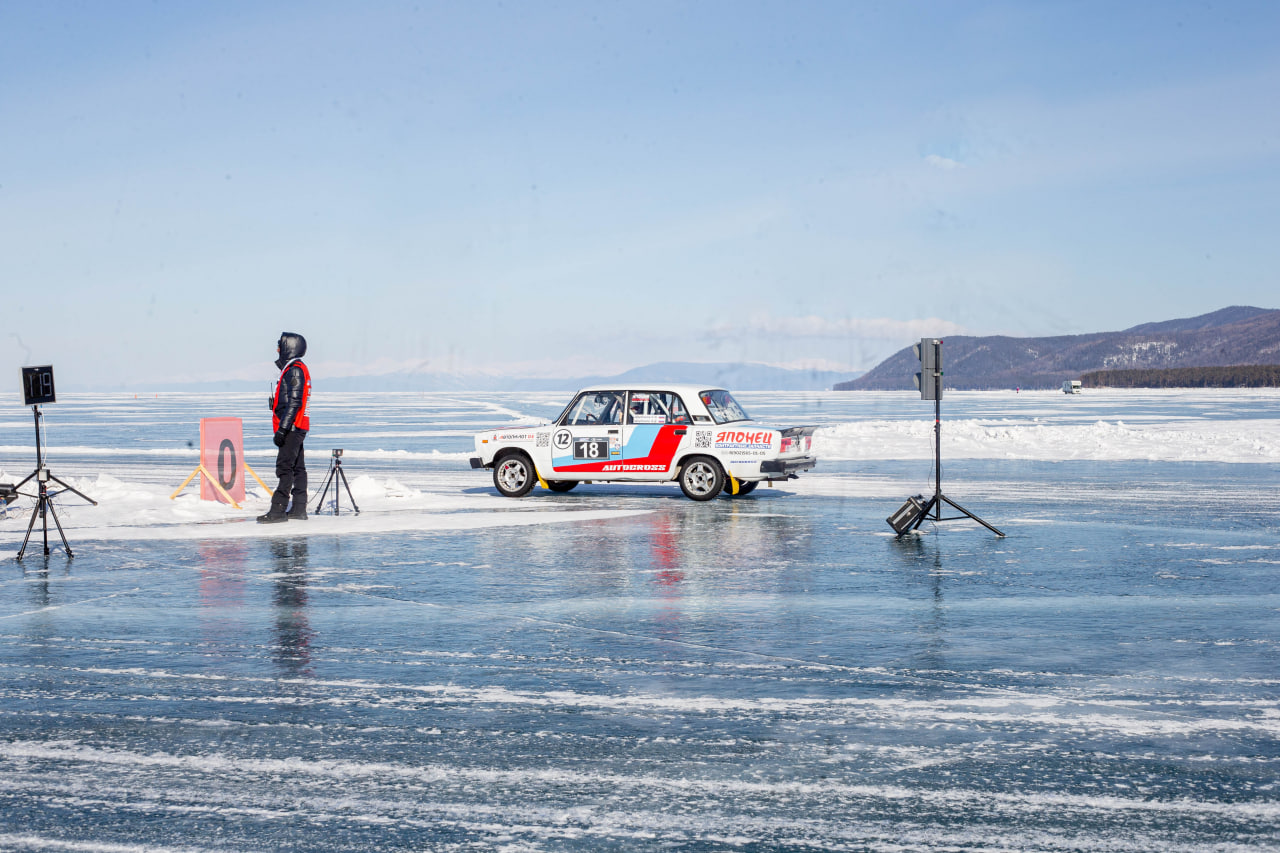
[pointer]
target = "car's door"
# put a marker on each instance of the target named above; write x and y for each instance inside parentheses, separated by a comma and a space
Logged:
(587, 444)
(656, 425)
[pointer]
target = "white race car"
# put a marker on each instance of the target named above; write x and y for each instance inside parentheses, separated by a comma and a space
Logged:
(652, 433)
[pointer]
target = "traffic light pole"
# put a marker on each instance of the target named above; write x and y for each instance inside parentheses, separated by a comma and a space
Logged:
(930, 383)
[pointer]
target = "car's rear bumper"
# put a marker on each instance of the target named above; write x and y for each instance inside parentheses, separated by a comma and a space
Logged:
(786, 467)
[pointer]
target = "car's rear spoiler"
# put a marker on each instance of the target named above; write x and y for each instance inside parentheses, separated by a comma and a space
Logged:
(792, 432)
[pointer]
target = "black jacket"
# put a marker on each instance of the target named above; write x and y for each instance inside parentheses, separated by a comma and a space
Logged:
(293, 383)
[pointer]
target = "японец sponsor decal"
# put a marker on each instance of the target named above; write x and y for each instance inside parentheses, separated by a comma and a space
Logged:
(758, 440)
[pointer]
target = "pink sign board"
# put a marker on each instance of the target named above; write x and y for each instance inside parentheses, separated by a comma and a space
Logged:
(222, 456)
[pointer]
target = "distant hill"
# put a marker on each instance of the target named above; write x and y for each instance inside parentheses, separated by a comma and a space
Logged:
(736, 376)
(1232, 336)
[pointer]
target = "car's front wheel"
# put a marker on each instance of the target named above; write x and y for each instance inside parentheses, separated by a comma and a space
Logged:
(701, 478)
(513, 475)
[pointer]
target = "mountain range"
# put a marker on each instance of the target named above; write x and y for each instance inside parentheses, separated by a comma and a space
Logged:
(1236, 335)
(736, 376)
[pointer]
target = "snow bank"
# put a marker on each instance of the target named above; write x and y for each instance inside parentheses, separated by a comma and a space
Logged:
(138, 511)
(1034, 439)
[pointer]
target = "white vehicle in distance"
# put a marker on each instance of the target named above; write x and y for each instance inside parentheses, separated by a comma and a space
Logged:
(698, 436)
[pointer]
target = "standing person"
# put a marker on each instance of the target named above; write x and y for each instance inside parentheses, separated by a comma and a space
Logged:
(290, 420)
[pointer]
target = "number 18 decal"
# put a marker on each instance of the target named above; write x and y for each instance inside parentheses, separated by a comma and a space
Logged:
(591, 448)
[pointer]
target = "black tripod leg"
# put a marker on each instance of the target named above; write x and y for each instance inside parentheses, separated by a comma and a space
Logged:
(31, 524)
(348, 488)
(971, 515)
(57, 523)
(324, 491)
(924, 513)
(69, 489)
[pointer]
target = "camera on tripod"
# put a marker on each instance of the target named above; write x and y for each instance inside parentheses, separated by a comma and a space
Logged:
(338, 479)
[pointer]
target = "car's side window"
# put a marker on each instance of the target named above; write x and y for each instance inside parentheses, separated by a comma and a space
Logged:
(596, 407)
(653, 407)
(679, 414)
(613, 407)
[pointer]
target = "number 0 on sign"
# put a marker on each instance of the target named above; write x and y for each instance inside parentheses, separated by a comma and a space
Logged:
(221, 457)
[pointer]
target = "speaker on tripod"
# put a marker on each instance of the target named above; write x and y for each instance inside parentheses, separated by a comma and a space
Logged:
(915, 511)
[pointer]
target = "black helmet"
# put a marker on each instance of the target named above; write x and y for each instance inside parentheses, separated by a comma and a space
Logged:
(291, 345)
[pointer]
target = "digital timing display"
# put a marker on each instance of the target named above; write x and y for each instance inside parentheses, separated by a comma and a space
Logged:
(37, 385)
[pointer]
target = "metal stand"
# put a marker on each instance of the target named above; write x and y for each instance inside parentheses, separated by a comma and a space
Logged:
(935, 503)
(336, 474)
(916, 510)
(44, 499)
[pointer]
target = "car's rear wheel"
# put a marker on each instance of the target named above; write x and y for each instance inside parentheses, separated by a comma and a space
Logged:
(561, 485)
(513, 475)
(701, 478)
(744, 488)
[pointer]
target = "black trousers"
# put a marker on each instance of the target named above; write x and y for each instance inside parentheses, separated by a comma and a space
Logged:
(291, 468)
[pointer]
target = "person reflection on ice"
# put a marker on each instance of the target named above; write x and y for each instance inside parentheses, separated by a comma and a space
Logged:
(293, 634)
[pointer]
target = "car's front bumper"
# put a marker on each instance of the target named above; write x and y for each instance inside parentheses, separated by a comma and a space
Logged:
(477, 462)
(788, 466)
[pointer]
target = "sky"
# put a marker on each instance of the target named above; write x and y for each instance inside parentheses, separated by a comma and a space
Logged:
(568, 189)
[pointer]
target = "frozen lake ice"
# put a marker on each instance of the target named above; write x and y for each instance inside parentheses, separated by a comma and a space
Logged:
(619, 668)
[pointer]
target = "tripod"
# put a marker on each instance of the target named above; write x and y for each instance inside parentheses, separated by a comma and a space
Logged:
(44, 498)
(935, 503)
(335, 475)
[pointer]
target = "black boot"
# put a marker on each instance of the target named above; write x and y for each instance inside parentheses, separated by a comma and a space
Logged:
(297, 512)
(276, 513)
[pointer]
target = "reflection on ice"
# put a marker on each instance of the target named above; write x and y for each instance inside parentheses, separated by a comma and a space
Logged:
(293, 633)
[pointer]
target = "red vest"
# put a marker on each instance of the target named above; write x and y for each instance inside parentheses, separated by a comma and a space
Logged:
(302, 420)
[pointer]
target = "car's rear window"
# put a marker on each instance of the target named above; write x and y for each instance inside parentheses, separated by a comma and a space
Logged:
(723, 408)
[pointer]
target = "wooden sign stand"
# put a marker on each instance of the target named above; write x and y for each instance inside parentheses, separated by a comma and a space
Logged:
(213, 481)
(218, 435)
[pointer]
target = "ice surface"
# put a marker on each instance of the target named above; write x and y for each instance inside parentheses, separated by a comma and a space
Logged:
(619, 668)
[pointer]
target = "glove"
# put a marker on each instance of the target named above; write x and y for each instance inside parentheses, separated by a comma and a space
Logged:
(279, 437)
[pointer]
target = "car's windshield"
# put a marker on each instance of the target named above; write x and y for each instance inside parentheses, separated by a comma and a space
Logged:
(723, 408)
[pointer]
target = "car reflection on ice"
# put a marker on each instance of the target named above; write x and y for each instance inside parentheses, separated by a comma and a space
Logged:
(672, 546)
(699, 437)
